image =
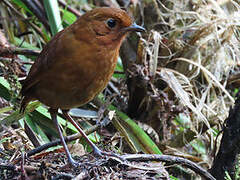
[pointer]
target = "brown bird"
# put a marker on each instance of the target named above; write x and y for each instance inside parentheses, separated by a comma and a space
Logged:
(77, 64)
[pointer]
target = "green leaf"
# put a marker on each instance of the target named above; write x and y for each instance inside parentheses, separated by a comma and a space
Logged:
(199, 146)
(68, 16)
(5, 109)
(173, 178)
(4, 89)
(38, 131)
(15, 116)
(4, 140)
(119, 68)
(24, 44)
(20, 4)
(138, 140)
(42, 117)
(53, 14)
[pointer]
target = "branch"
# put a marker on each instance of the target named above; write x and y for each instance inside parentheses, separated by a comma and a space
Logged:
(170, 159)
(22, 51)
(69, 8)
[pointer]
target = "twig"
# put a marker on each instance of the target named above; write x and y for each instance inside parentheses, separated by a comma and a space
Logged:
(64, 176)
(17, 168)
(22, 51)
(23, 172)
(170, 159)
(72, 10)
(82, 175)
(8, 167)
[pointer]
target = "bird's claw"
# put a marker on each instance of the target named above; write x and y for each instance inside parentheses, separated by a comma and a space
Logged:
(100, 153)
(73, 163)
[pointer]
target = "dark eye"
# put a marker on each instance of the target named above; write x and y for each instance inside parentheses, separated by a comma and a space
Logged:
(111, 23)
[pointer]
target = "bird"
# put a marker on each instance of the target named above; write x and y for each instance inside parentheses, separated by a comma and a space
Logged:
(77, 64)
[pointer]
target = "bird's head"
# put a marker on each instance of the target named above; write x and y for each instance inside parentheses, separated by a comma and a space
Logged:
(109, 25)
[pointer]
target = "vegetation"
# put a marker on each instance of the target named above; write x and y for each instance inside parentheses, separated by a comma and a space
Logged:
(171, 91)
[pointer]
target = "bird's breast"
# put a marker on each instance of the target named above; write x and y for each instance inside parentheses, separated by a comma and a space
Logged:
(81, 77)
(100, 76)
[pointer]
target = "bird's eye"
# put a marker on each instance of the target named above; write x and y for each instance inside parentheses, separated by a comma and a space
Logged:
(111, 23)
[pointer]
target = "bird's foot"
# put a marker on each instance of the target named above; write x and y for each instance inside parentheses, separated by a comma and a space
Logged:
(100, 153)
(73, 163)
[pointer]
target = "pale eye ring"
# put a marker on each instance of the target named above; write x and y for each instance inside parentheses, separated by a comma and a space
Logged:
(111, 23)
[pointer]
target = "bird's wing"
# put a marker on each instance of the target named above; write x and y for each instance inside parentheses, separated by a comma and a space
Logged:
(42, 63)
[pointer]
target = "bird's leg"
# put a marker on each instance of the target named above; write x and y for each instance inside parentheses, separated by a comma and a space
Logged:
(96, 150)
(70, 119)
(53, 113)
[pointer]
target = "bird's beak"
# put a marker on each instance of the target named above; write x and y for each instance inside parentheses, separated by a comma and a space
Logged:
(134, 27)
